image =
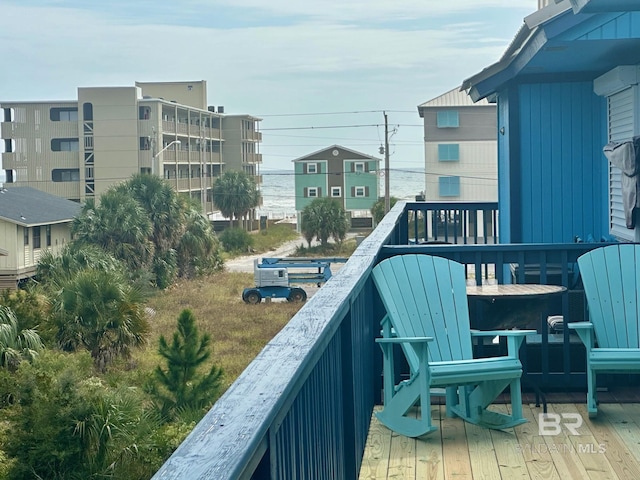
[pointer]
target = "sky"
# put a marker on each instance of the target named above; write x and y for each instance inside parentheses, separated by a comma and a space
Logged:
(318, 72)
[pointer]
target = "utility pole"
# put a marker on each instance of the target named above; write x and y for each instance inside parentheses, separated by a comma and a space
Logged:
(387, 198)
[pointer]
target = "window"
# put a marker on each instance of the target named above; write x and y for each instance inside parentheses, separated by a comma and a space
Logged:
(65, 145)
(359, 192)
(312, 168)
(312, 192)
(358, 167)
(145, 143)
(65, 114)
(36, 237)
(448, 152)
(26, 236)
(144, 113)
(448, 119)
(65, 175)
(47, 231)
(336, 191)
(87, 111)
(449, 186)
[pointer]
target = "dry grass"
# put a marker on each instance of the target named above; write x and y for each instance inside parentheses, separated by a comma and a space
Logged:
(238, 330)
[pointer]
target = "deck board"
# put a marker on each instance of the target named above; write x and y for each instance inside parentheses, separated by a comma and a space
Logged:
(608, 447)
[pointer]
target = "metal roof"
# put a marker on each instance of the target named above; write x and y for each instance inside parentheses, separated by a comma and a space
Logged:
(28, 207)
(452, 98)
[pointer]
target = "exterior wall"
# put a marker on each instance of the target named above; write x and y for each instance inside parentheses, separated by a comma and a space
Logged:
(337, 168)
(552, 170)
(9, 234)
(476, 166)
(368, 180)
(241, 139)
(32, 160)
(115, 134)
(477, 169)
(304, 181)
(23, 259)
(193, 94)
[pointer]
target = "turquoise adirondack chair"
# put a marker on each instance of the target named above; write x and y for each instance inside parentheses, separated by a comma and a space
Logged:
(427, 314)
(611, 280)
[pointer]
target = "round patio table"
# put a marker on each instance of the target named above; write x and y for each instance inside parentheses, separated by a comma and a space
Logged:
(511, 305)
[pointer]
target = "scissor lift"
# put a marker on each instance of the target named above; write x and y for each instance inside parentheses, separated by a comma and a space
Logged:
(274, 277)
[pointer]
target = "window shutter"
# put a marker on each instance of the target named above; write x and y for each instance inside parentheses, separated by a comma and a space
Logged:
(304, 169)
(319, 192)
(306, 192)
(621, 123)
(353, 191)
(366, 191)
(366, 166)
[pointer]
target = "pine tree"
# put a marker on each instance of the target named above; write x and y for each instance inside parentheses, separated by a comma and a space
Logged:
(182, 388)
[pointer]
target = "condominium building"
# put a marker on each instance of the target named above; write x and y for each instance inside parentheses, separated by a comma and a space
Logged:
(77, 149)
(461, 148)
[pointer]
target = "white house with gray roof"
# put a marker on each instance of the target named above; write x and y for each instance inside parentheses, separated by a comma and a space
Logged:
(461, 148)
(31, 222)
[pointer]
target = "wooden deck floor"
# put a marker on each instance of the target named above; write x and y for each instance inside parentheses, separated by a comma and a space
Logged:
(607, 447)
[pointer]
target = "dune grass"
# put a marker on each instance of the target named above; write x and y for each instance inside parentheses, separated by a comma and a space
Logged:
(238, 330)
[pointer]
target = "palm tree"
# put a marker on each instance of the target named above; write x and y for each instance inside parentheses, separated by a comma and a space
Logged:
(119, 225)
(324, 218)
(199, 249)
(165, 208)
(102, 312)
(16, 345)
(235, 194)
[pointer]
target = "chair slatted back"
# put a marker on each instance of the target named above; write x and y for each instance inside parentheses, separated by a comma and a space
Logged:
(426, 296)
(611, 278)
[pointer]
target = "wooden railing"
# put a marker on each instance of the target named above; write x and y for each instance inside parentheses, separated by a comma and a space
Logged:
(302, 408)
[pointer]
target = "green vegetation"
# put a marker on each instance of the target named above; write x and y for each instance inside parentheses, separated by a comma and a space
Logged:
(324, 218)
(66, 419)
(378, 208)
(273, 237)
(15, 344)
(235, 194)
(180, 387)
(90, 385)
(236, 240)
(344, 249)
(152, 230)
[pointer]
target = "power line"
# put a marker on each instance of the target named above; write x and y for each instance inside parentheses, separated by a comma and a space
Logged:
(338, 126)
(332, 113)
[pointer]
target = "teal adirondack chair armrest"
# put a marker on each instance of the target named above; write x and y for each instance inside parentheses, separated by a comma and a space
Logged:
(514, 338)
(421, 352)
(585, 332)
(405, 340)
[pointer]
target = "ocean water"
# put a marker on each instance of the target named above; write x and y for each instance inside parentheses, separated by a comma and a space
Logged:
(278, 190)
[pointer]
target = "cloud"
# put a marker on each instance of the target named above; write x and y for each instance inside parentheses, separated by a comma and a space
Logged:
(258, 57)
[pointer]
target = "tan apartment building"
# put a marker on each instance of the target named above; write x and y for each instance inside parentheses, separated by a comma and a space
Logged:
(77, 149)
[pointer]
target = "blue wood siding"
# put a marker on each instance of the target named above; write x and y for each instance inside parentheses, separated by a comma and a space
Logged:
(561, 168)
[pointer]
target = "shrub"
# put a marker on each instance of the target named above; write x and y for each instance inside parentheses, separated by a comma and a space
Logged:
(236, 240)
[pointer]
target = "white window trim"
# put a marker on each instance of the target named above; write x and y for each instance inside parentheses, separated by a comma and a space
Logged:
(336, 189)
(312, 192)
(359, 170)
(362, 190)
(309, 167)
